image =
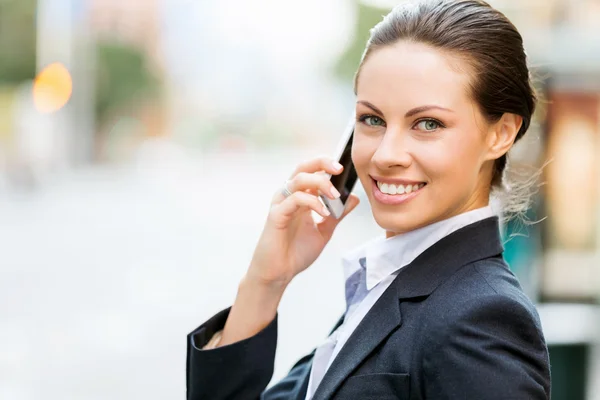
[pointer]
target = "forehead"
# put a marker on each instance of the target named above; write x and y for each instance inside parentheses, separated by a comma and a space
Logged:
(409, 74)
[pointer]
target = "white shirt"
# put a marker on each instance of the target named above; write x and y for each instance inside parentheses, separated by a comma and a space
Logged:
(384, 259)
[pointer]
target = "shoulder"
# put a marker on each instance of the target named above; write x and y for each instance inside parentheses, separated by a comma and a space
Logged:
(483, 337)
(486, 294)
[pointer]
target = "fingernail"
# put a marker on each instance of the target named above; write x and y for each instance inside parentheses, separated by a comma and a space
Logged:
(326, 211)
(335, 192)
(337, 166)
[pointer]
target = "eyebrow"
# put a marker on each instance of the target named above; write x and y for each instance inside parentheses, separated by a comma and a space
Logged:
(410, 113)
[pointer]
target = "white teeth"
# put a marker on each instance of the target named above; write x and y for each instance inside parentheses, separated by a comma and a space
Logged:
(398, 189)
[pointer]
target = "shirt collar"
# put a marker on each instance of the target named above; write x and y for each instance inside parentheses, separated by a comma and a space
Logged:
(386, 256)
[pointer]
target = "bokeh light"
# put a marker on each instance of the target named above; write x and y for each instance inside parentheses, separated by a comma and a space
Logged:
(52, 88)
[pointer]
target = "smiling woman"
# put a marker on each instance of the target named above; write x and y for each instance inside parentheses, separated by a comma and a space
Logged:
(433, 311)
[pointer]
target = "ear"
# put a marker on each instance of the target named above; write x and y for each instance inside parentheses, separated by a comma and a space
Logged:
(502, 135)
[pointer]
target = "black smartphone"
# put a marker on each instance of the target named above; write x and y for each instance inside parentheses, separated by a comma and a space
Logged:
(345, 181)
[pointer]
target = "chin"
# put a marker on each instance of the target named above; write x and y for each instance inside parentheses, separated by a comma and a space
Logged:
(399, 222)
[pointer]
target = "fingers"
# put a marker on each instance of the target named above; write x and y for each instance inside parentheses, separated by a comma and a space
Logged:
(307, 177)
(319, 164)
(313, 182)
(299, 200)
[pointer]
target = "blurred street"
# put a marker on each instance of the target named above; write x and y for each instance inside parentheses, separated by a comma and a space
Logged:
(105, 271)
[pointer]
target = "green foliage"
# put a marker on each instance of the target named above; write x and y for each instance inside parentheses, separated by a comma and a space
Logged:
(123, 78)
(368, 17)
(17, 41)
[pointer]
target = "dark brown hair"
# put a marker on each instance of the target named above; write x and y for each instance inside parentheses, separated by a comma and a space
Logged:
(478, 34)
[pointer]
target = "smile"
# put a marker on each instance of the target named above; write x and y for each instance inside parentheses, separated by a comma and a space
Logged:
(396, 193)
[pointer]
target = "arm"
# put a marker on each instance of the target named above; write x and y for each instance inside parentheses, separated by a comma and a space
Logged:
(492, 349)
(241, 370)
(242, 364)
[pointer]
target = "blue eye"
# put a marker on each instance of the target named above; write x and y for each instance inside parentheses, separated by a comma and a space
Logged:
(372, 120)
(428, 125)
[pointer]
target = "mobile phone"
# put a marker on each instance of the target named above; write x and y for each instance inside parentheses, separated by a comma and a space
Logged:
(345, 181)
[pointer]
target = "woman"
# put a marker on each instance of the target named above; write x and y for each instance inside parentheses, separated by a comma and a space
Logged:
(443, 92)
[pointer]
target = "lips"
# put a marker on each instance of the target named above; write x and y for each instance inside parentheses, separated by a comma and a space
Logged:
(403, 192)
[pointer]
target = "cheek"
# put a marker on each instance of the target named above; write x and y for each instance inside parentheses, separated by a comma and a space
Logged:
(452, 162)
(363, 149)
(362, 153)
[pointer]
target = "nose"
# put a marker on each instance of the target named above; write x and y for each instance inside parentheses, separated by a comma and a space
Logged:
(393, 150)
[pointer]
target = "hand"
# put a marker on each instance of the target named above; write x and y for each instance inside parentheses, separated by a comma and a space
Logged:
(291, 239)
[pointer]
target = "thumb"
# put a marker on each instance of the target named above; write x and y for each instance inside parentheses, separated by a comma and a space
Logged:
(329, 224)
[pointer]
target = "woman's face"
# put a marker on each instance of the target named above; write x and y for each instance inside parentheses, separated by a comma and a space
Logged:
(420, 140)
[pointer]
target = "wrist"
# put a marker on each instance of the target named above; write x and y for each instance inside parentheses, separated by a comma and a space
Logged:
(259, 291)
(254, 308)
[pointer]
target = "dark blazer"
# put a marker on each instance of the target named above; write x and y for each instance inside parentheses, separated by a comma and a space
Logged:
(454, 324)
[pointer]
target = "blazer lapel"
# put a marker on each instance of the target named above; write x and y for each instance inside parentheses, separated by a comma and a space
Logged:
(420, 278)
(382, 320)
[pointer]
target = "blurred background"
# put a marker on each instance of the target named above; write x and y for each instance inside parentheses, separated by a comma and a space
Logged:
(141, 141)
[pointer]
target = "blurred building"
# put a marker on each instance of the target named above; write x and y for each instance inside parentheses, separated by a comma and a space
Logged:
(134, 22)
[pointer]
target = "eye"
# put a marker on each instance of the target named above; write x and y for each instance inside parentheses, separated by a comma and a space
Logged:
(428, 125)
(372, 120)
